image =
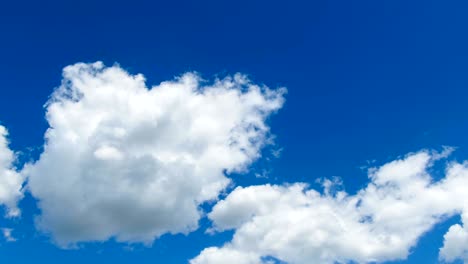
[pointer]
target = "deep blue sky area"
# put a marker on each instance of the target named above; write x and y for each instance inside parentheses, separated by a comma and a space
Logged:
(368, 82)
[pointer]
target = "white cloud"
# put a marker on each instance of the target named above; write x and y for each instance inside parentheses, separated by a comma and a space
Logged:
(381, 222)
(127, 162)
(456, 242)
(10, 180)
(7, 234)
(226, 255)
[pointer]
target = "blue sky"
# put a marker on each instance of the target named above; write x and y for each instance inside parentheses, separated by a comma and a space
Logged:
(367, 81)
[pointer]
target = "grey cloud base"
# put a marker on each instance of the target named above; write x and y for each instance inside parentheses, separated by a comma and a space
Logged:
(126, 161)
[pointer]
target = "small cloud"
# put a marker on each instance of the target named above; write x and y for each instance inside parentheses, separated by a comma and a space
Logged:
(330, 186)
(446, 151)
(277, 152)
(263, 174)
(7, 234)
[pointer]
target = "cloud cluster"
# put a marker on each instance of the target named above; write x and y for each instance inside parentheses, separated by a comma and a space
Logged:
(129, 162)
(381, 222)
(126, 162)
(10, 180)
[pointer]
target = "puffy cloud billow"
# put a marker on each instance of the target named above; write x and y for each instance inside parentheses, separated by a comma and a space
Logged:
(10, 180)
(381, 222)
(129, 162)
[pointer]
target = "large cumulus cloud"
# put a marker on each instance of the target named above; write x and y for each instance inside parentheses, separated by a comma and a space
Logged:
(10, 180)
(129, 162)
(381, 222)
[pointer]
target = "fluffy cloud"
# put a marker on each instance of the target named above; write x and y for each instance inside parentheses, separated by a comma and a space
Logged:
(456, 241)
(129, 162)
(381, 222)
(10, 180)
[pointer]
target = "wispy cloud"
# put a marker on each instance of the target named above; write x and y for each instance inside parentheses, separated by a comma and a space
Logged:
(7, 234)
